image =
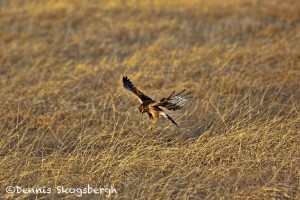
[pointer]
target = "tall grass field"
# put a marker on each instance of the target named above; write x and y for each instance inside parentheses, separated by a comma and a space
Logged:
(69, 130)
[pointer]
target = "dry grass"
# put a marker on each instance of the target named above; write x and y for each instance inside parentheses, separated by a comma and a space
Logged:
(66, 120)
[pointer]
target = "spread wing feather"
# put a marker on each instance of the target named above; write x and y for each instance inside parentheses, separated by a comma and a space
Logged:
(130, 87)
(174, 101)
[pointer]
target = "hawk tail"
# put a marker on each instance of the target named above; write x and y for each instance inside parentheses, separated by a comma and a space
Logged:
(169, 118)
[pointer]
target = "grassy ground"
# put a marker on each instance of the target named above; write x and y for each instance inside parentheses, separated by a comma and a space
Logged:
(65, 118)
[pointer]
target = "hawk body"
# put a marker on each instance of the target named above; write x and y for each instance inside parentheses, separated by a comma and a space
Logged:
(152, 107)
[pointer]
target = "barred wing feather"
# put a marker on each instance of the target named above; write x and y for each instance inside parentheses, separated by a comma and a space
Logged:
(174, 101)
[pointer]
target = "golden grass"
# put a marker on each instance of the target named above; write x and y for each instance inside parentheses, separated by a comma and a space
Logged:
(66, 120)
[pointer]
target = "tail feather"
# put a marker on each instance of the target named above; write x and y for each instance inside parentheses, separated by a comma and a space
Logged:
(169, 118)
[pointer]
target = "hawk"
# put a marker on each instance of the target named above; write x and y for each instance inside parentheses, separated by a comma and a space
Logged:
(152, 107)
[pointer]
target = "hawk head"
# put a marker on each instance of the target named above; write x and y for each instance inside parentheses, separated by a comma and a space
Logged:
(142, 108)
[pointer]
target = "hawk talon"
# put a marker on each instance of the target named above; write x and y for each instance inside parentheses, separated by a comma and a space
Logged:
(143, 122)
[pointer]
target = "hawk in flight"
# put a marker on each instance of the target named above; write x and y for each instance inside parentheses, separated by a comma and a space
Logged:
(152, 107)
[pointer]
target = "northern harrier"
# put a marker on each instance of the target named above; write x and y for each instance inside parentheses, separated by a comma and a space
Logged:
(151, 107)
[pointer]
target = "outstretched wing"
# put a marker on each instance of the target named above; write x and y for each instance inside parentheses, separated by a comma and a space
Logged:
(174, 101)
(129, 86)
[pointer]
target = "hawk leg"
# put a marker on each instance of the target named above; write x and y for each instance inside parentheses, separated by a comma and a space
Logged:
(154, 122)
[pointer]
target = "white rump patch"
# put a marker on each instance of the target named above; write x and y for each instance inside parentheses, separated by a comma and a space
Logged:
(165, 115)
